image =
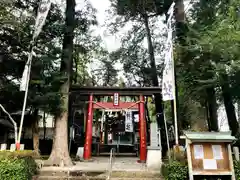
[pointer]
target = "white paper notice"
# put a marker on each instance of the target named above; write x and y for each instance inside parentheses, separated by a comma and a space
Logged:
(198, 152)
(217, 152)
(209, 164)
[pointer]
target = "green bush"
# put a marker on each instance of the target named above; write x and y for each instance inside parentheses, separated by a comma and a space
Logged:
(175, 170)
(237, 169)
(18, 165)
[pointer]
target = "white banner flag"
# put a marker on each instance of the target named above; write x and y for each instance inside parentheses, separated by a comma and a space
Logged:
(26, 72)
(168, 71)
(40, 20)
(41, 17)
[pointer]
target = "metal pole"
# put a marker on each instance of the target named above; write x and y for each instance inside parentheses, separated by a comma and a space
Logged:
(159, 138)
(175, 98)
(71, 136)
(70, 144)
(25, 97)
(175, 107)
(170, 13)
(175, 122)
(168, 145)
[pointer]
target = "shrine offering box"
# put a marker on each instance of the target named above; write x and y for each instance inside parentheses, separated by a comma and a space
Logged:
(209, 154)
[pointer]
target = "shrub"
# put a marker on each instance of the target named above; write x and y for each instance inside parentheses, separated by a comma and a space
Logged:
(175, 170)
(180, 156)
(18, 154)
(18, 165)
(237, 169)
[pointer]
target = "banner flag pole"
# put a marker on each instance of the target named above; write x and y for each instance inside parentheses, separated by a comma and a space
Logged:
(43, 10)
(168, 81)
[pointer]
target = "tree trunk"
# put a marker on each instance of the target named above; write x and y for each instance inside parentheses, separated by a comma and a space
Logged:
(44, 126)
(180, 36)
(181, 29)
(35, 132)
(180, 21)
(207, 116)
(154, 77)
(60, 154)
(5, 137)
(238, 111)
(212, 109)
(229, 106)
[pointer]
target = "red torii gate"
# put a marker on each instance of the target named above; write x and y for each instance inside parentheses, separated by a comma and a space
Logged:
(136, 91)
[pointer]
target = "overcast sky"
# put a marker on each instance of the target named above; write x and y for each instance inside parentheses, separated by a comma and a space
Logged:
(110, 42)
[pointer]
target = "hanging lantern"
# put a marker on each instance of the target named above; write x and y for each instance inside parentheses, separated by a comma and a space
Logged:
(116, 99)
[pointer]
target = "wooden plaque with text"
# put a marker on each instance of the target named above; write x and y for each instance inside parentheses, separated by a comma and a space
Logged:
(222, 164)
(209, 154)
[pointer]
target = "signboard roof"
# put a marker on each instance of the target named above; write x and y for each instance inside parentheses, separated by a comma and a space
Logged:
(206, 136)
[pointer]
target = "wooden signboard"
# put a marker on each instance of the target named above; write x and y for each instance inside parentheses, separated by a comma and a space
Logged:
(209, 158)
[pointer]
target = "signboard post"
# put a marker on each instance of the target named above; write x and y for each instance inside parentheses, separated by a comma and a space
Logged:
(209, 154)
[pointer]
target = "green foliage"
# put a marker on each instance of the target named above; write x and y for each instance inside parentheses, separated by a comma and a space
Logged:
(208, 55)
(17, 165)
(16, 33)
(18, 154)
(134, 56)
(151, 110)
(15, 40)
(175, 171)
(211, 45)
(134, 8)
(237, 169)
(105, 74)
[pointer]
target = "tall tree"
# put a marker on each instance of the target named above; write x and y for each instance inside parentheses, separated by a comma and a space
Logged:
(204, 15)
(142, 11)
(16, 33)
(60, 152)
(211, 47)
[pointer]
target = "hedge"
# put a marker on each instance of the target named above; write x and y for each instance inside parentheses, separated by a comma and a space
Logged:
(17, 165)
(175, 170)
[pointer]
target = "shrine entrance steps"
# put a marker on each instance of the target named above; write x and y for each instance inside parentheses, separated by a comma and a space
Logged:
(98, 169)
(116, 175)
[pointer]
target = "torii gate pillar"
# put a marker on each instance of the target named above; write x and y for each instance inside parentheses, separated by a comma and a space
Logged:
(88, 139)
(142, 131)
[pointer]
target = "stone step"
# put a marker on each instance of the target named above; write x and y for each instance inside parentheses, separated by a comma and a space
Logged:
(88, 178)
(136, 174)
(69, 173)
(100, 174)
